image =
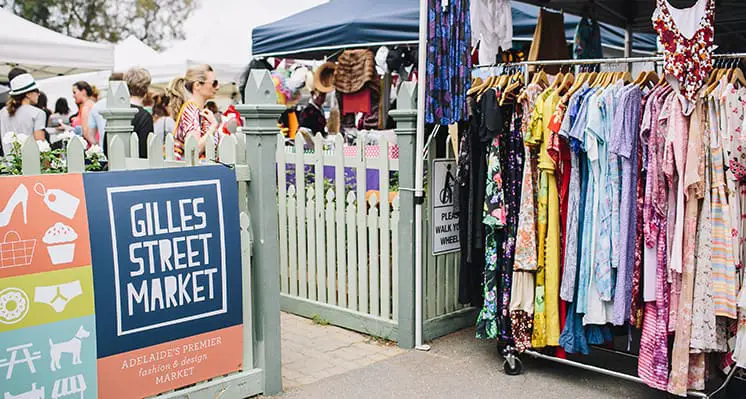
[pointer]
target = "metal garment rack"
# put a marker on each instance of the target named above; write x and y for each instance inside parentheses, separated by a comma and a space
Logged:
(513, 365)
(593, 61)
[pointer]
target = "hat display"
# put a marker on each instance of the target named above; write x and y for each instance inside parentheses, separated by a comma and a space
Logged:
(22, 84)
(355, 68)
(324, 77)
(285, 94)
(309, 81)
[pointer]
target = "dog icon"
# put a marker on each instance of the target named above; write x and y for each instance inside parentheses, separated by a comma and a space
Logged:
(72, 347)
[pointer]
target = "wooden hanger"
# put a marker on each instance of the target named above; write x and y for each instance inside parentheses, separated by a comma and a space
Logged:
(647, 78)
(516, 81)
(567, 82)
(557, 80)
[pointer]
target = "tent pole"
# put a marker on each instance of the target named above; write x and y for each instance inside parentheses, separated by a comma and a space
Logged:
(628, 45)
(419, 172)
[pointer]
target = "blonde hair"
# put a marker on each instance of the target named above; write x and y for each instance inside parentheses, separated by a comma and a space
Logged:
(138, 81)
(178, 87)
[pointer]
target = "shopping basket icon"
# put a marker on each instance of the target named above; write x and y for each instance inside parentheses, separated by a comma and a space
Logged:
(16, 252)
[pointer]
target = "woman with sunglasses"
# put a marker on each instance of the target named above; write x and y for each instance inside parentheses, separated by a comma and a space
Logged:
(187, 98)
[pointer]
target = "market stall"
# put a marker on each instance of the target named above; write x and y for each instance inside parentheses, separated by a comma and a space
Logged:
(45, 53)
(313, 34)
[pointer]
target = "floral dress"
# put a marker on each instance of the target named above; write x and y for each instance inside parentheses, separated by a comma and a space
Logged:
(525, 259)
(448, 61)
(687, 59)
(493, 321)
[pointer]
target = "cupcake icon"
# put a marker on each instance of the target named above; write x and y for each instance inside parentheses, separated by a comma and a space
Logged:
(60, 240)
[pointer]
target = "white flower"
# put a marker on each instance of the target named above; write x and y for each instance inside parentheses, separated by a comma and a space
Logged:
(13, 138)
(67, 135)
(94, 151)
(43, 146)
(9, 137)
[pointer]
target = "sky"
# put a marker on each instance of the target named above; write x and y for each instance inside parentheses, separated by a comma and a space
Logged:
(220, 30)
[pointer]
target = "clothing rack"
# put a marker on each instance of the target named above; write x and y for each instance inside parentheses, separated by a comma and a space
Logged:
(512, 364)
(591, 61)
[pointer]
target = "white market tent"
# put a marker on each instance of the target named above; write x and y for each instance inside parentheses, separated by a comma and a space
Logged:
(45, 53)
(128, 53)
(131, 52)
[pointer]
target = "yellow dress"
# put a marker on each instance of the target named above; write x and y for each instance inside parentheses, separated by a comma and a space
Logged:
(546, 315)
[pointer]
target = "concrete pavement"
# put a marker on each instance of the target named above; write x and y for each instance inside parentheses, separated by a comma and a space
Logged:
(329, 362)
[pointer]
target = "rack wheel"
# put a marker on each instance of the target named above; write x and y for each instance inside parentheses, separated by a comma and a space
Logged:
(516, 369)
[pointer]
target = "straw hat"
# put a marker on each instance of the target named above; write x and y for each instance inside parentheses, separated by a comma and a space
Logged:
(323, 77)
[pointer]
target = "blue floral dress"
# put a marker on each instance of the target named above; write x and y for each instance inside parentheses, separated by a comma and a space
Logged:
(448, 61)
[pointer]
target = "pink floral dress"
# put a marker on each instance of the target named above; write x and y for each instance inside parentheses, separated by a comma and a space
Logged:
(687, 50)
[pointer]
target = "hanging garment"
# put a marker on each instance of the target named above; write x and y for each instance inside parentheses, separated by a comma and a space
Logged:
(546, 310)
(703, 304)
(448, 61)
(549, 40)
(567, 286)
(358, 101)
(687, 37)
(624, 145)
(723, 272)
(492, 27)
(585, 221)
(472, 169)
(587, 43)
(600, 277)
(526, 255)
(490, 324)
(653, 358)
(679, 380)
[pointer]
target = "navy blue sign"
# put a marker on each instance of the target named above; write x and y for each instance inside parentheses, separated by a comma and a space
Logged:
(166, 254)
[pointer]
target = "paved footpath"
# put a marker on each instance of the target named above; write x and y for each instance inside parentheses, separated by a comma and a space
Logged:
(313, 352)
(330, 362)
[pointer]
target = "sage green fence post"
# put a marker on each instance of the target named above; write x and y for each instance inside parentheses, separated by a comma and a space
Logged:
(260, 114)
(119, 114)
(405, 117)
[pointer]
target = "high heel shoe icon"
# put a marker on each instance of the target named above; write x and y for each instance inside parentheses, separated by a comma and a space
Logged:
(20, 196)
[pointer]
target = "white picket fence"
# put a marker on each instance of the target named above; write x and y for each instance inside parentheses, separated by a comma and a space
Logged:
(339, 248)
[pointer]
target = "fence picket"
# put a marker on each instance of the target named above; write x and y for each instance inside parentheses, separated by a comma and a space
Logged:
(155, 152)
(395, 257)
(210, 147)
(191, 151)
(227, 149)
(362, 231)
(300, 189)
(293, 235)
(168, 147)
(440, 276)
(116, 154)
(338, 160)
(384, 209)
(307, 272)
(75, 156)
(30, 157)
(352, 253)
(283, 209)
(134, 145)
(331, 271)
(373, 257)
(321, 258)
(241, 147)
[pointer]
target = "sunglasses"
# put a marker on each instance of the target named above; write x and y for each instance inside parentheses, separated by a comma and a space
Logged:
(215, 84)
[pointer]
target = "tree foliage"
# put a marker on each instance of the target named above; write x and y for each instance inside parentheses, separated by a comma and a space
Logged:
(155, 22)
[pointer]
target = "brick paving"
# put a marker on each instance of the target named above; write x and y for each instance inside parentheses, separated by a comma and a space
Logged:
(312, 352)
